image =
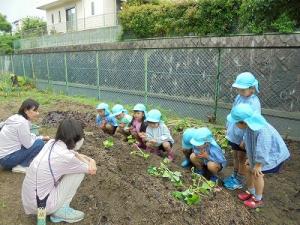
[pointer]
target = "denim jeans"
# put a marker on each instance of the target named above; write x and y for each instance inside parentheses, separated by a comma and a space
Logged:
(23, 156)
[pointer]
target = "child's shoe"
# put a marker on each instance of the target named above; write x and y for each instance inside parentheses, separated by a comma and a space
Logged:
(253, 203)
(214, 178)
(245, 196)
(186, 163)
(199, 171)
(66, 214)
(233, 184)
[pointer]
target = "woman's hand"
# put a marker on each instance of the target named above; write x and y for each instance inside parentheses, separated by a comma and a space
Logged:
(46, 138)
(92, 167)
(122, 125)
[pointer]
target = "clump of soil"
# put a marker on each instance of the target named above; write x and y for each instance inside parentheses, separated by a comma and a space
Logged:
(55, 117)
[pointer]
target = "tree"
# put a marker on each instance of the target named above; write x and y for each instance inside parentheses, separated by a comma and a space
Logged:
(5, 26)
(33, 27)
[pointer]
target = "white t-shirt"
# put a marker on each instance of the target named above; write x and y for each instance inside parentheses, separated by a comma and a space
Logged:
(38, 176)
(15, 134)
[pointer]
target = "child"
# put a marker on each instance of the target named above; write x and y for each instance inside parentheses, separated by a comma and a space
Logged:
(104, 120)
(187, 147)
(123, 119)
(158, 135)
(138, 125)
(54, 176)
(18, 146)
(265, 147)
(246, 85)
(207, 154)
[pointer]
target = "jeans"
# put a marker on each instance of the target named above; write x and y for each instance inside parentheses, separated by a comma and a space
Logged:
(23, 156)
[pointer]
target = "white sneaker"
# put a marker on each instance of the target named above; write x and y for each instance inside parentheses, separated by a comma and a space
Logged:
(19, 169)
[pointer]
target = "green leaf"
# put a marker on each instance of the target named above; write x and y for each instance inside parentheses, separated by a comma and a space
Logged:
(193, 199)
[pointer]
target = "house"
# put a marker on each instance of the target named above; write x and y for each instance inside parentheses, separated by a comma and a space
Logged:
(16, 26)
(76, 15)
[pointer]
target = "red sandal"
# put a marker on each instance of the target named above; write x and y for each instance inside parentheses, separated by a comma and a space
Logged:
(253, 203)
(244, 196)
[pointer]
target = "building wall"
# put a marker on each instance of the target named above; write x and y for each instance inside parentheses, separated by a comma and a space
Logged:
(104, 15)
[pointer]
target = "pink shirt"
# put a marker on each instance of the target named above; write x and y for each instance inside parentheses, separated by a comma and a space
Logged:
(38, 176)
(136, 126)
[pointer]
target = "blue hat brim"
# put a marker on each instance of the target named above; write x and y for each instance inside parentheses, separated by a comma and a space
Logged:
(117, 113)
(256, 122)
(186, 146)
(235, 85)
(152, 120)
(197, 143)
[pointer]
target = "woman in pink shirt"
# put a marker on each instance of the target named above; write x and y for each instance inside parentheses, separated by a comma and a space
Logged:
(56, 173)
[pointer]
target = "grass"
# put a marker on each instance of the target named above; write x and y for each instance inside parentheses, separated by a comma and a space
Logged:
(47, 98)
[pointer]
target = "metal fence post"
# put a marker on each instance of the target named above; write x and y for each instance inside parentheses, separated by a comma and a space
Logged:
(66, 73)
(98, 74)
(48, 74)
(146, 77)
(217, 85)
(32, 67)
(23, 65)
(12, 64)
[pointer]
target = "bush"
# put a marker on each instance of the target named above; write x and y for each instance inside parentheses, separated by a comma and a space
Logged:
(202, 17)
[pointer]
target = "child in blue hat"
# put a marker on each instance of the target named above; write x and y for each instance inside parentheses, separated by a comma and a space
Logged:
(138, 125)
(246, 86)
(104, 120)
(265, 147)
(187, 147)
(207, 154)
(158, 135)
(123, 119)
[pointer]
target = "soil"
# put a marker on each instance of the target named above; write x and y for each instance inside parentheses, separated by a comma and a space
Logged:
(124, 193)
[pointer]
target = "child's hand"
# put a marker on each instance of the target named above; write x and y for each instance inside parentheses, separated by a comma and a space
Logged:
(204, 155)
(257, 170)
(148, 144)
(242, 145)
(153, 141)
(122, 125)
(247, 162)
(142, 135)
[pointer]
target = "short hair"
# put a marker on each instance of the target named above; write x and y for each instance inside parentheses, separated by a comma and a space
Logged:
(69, 131)
(28, 104)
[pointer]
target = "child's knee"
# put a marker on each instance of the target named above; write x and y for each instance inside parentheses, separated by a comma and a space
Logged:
(166, 145)
(213, 167)
(193, 157)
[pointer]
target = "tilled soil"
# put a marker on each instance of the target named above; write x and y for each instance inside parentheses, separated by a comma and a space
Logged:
(123, 192)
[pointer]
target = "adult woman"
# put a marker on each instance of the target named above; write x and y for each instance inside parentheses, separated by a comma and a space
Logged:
(55, 174)
(17, 145)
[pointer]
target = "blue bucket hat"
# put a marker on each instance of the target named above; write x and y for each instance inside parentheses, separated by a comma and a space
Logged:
(244, 112)
(105, 107)
(117, 109)
(186, 138)
(246, 80)
(154, 116)
(201, 136)
(140, 107)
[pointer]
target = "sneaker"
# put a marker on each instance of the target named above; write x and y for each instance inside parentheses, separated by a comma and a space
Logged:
(66, 214)
(19, 169)
(253, 203)
(244, 196)
(186, 163)
(233, 184)
(199, 171)
(229, 178)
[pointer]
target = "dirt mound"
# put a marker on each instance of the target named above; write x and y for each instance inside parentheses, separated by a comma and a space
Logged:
(55, 117)
(123, 192)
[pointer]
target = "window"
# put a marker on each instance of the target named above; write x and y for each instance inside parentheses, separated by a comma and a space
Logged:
(92, 8)
(52, 18)
(59, 17)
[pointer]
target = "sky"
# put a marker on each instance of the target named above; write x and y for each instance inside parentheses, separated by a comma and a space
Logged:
(18, 9)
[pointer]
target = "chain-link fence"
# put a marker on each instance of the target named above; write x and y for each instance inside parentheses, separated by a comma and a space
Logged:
(193, 82)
